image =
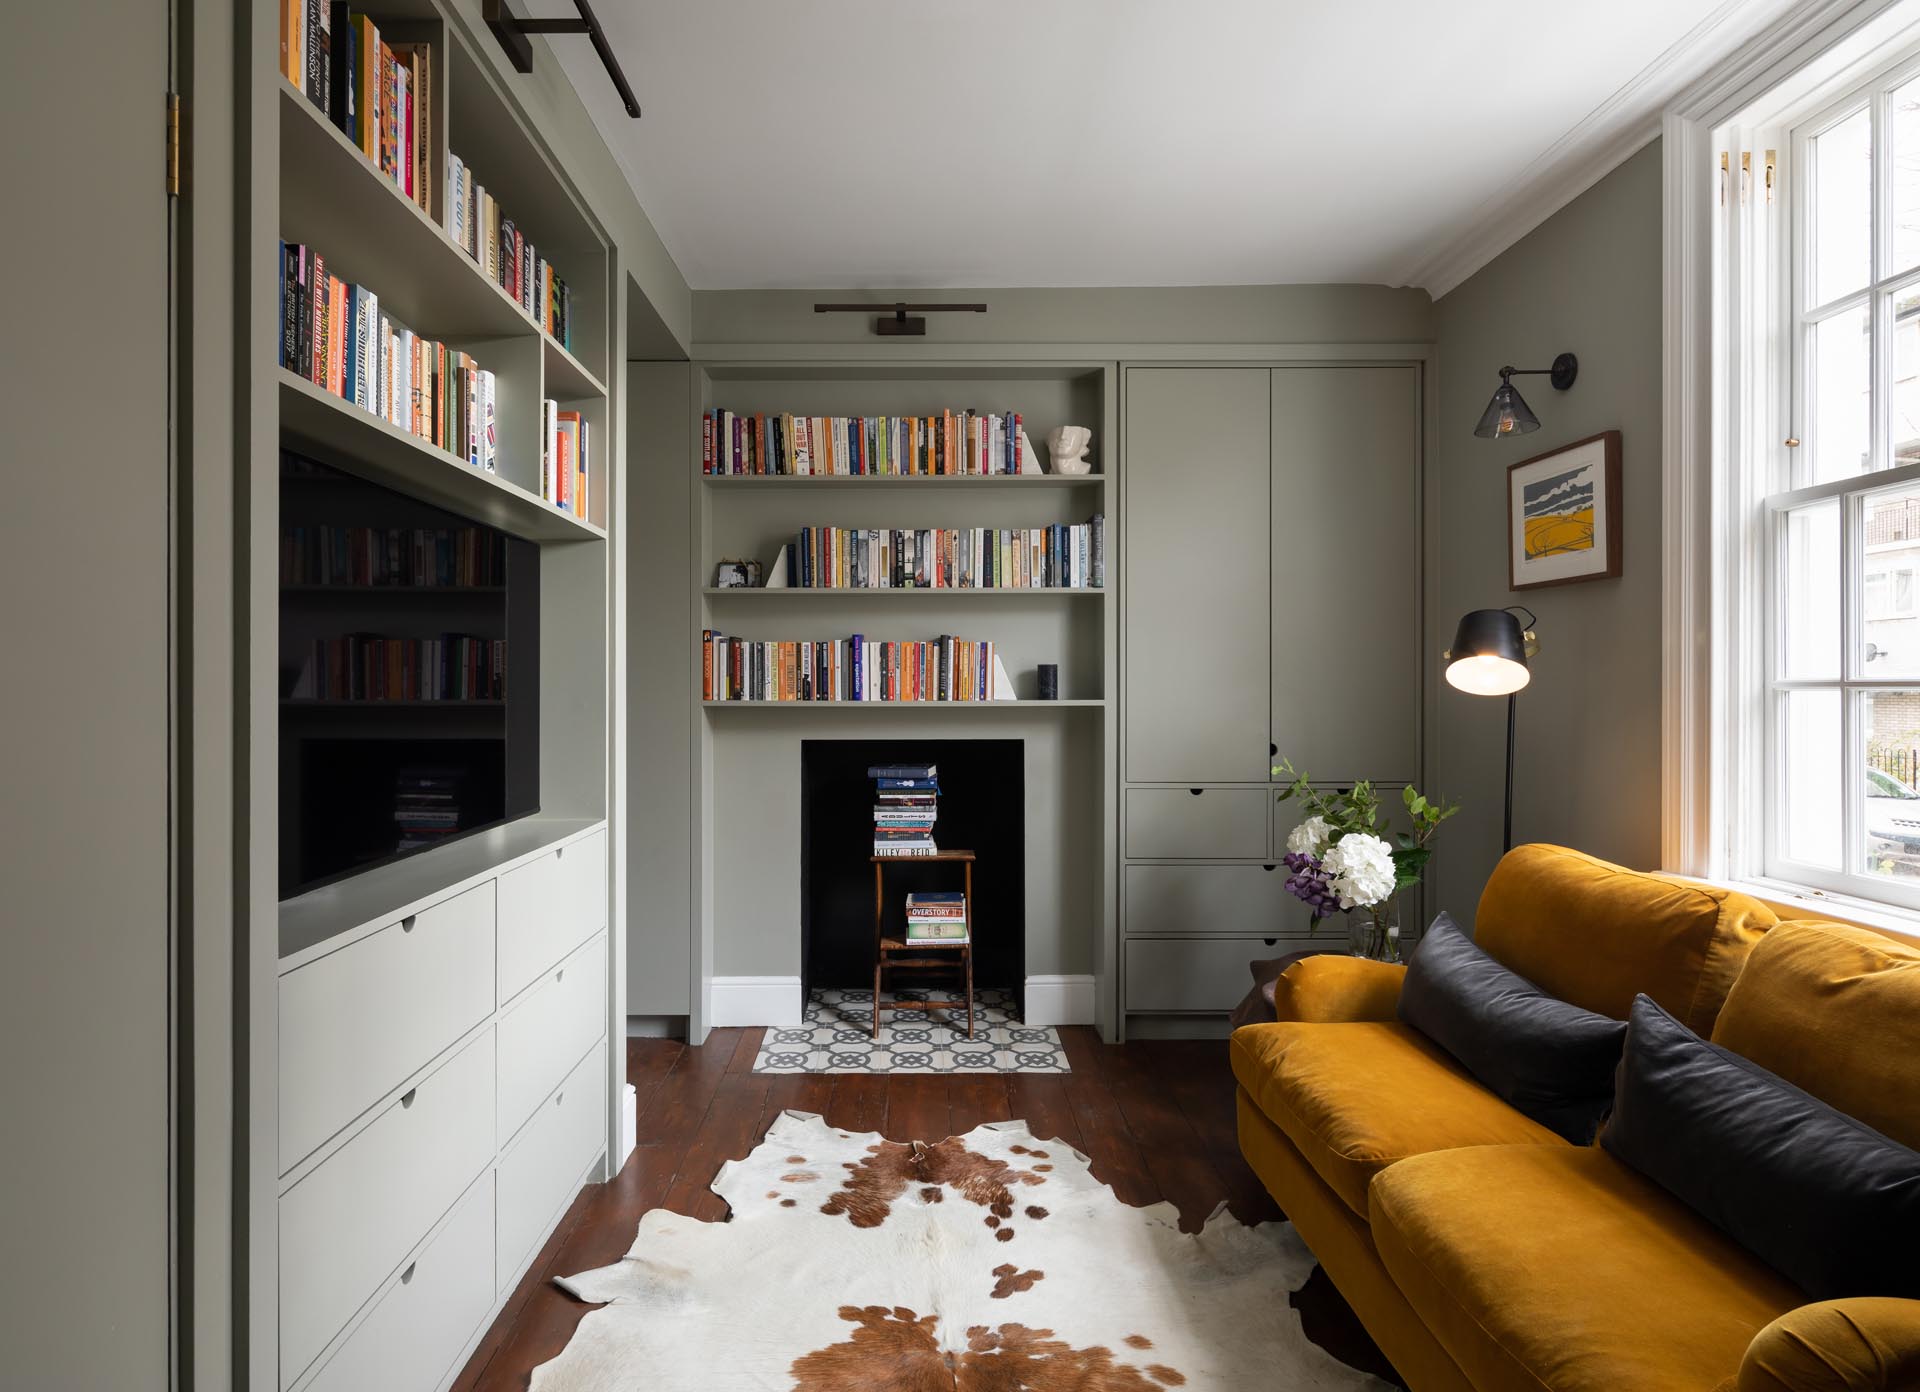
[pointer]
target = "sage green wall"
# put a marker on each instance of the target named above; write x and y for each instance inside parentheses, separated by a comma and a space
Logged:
(1587, 281)
(1109, 317)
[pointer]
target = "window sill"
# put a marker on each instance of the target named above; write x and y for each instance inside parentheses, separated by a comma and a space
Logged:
(1800, 901)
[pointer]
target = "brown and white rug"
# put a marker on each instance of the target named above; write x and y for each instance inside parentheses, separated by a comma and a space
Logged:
(990, 1262)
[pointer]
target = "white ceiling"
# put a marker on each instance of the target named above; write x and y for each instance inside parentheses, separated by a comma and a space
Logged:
(818, 143)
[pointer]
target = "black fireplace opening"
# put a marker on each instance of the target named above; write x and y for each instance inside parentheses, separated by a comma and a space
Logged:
(982, 809)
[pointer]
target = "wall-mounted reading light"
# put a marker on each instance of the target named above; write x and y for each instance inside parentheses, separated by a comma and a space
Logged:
(512, 32)
(900, 326)
(1507, 414)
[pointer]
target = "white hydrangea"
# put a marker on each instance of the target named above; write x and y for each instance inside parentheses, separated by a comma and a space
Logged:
(1359, 868)
(1309, 838)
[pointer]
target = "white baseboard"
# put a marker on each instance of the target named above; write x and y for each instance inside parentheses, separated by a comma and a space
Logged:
(629, 1126)
(1059, 1000)
(755, 1000)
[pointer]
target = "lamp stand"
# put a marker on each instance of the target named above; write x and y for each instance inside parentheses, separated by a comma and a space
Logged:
(1506, 826)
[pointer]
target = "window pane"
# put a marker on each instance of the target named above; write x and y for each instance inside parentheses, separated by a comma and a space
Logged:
(1839, 388)
(1841, 216)
(1890, 556)
(1904, 129)
(1810, 593)
(1904, 428)
(1810, 802)
(1890, 721)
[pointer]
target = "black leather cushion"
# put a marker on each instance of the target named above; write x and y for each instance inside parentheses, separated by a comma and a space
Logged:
(1827, 1201)
(1548, 1059)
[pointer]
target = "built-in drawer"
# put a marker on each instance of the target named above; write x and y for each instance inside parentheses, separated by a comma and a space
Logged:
(540, 1173)
(423, 1320)
(1205, 823)
(1193, 975)
(1244, 900)
(345, 1227)
(548, 907)
(545, 1031)
(358, 1022)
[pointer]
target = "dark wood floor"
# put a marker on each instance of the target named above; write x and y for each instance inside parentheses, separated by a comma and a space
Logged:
(1155, 1118)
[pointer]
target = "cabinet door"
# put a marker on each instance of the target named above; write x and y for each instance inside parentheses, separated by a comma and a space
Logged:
(1196, 573)
(1346, 598)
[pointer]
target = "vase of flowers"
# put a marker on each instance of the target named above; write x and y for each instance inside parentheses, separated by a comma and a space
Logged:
(1340, 861)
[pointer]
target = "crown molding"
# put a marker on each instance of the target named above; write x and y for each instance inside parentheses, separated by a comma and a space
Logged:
(1618, 128)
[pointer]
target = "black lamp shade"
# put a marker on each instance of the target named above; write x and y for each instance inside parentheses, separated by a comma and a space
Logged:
(1506, 414)
(1489, 654)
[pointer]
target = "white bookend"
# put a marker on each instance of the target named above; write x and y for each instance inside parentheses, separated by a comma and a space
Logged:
(777, 577)
(1002, 683)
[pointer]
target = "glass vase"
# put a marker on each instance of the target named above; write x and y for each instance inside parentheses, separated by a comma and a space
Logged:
(1375, 933)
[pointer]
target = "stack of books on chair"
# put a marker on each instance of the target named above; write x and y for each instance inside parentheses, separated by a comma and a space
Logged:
(937, 916)
(906, 803)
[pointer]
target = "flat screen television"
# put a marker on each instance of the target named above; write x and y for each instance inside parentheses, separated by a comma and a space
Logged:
(409, 675)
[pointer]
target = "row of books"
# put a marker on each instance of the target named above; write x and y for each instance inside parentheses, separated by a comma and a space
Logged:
(379, 94)
(952, 442)
(372, 667)
(336, 336)
(393, 557)
(479, 227)
(906, 805)
(566, 459)
(1059, 556)
(846, 669)
(938, 916)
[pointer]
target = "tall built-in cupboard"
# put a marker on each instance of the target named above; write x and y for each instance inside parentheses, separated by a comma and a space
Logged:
(1271, 609)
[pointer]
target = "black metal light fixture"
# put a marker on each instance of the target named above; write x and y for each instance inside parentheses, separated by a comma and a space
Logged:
(512, 31)
(900, 325)
(1489, 658)
(1507, 413)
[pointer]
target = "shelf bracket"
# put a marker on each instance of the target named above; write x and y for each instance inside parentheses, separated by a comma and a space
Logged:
(512, 31)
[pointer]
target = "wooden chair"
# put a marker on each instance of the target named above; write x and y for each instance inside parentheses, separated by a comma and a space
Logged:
(890, 953)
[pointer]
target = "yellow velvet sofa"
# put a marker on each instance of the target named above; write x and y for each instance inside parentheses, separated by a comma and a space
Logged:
(1483, 1251)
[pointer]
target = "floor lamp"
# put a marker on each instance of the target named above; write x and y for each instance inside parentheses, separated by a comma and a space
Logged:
(1489, 658)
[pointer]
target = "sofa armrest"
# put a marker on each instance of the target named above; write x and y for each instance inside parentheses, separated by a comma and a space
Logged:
(1867, 1344)
(1333, 988)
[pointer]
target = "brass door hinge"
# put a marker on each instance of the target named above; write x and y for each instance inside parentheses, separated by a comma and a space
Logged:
(173, 145)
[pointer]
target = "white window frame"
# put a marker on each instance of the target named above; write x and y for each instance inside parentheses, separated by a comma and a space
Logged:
(1727, 418)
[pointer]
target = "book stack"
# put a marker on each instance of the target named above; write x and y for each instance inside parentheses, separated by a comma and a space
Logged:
(974, 558)
(370, 667)
(849, 669)
(937, 915)
(906, 805)
(952, 442)
(378, 94)
(337, 337)
(478, 227)
(566, 453)
(426, 805)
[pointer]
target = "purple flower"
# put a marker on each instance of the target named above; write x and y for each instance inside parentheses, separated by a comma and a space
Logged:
(1309, 884)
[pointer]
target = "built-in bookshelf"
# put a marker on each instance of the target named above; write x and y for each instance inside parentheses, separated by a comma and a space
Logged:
(385, 224)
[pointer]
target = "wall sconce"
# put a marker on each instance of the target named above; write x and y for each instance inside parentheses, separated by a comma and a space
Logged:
(1507, 414)
(512, 31)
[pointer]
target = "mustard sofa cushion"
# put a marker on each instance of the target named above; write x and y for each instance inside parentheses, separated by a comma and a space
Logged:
(1334, 987)
(1832, 1010)
(1596, 934)
(1355, 1098)
(1865, 1345)
(1558, 1267)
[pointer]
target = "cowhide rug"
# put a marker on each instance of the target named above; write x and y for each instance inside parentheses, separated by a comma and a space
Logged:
(990, 1262)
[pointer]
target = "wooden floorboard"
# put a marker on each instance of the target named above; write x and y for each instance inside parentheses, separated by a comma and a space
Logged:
(1155, 1118)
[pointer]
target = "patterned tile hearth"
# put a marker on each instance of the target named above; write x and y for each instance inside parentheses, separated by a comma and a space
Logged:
(835, 1037)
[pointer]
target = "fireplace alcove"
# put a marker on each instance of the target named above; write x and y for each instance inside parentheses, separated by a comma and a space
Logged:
(982, 809)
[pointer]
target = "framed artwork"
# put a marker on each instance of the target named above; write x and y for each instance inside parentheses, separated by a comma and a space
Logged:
(737, 575)
(1563, 514)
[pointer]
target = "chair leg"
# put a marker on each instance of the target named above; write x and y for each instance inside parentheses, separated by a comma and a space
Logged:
(877, 959)
(967, 954)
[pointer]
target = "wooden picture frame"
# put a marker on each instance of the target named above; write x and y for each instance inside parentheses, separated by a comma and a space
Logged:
(1552, 539)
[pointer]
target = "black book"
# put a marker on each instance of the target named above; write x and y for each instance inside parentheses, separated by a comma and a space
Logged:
(343, 79)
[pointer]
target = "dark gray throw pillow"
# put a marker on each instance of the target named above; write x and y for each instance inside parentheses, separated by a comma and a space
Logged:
(1550, 1060)
(1827, 1201)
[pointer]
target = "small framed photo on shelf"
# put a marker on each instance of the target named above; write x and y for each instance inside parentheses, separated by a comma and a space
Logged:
(1563, 514)
(738, 575)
